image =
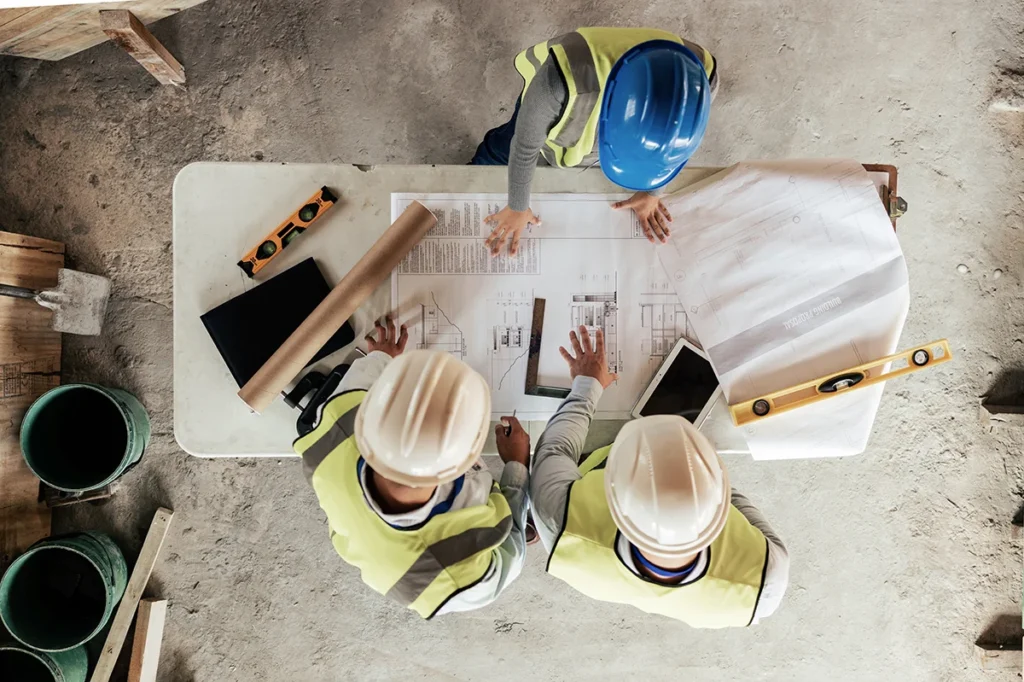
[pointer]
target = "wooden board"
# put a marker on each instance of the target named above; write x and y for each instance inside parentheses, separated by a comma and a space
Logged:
(54, 33)
(29, 366)
(126, 31)
(149, 633)
(992, 657)
(136, 584)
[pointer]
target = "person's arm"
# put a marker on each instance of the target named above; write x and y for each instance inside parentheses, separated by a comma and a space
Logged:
(507, 559)
(539, 111)
(556, 463)
(776, 576)
(363, 372)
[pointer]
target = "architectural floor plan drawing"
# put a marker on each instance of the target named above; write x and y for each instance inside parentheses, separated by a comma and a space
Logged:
(590, 263)
(509, 328)
(436, 331)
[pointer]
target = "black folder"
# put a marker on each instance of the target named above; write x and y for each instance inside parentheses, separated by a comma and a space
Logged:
(248, 328)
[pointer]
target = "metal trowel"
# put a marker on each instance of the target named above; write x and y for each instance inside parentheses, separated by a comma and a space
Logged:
(79, 301)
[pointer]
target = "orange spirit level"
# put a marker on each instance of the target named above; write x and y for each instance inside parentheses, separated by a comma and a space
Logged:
(861, 376)
(276, 242)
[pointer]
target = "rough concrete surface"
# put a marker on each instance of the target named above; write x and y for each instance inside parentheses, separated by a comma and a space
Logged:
(901, 557)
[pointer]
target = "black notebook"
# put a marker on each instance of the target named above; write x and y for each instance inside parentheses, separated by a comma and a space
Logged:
(250, 327)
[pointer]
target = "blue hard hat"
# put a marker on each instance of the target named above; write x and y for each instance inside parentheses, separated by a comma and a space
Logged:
(653, 114)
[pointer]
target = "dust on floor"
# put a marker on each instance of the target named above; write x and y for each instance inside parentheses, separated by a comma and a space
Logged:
(900, 556)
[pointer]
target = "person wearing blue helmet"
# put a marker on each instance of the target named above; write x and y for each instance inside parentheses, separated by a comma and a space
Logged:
(635, 100)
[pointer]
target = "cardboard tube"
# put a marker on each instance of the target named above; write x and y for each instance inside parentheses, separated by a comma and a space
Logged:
(361, 281)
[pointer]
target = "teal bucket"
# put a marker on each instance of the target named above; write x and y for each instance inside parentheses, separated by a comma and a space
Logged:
(21, 664)
(62, 590)
(79, 437)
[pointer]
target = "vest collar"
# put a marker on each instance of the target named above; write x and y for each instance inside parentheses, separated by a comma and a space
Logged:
(639, 558)
(439, 506)
(703, 562)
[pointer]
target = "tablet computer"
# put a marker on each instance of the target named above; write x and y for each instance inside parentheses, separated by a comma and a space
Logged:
(685, 384)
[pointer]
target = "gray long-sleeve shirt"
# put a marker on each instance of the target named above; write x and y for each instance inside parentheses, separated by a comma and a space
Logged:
(540, 110)
(508, 558)
(556, 468)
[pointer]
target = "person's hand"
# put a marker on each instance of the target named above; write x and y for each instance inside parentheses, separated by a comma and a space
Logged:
(589, 362)
(388, 341)
(515, 447)
(508, 224)
(653, 216)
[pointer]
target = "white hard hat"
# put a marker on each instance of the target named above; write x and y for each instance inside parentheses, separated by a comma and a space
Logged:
(424, 421)
(667, 488)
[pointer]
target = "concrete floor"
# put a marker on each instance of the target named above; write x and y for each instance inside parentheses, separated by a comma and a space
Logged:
(900, 557)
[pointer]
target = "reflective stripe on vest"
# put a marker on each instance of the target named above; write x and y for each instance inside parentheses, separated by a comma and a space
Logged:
(421, 567)
(585, 57)
(584, 556)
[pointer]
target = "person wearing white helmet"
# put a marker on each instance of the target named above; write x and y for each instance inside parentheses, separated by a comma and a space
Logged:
(395, 462)
(651, 520)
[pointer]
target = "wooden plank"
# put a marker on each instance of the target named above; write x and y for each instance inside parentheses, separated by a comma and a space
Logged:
(136, 584)
(29, 366)
(8, 15)
(29, 4)
(128, 33)
(149, 633)
(993, 657)
(53, 33)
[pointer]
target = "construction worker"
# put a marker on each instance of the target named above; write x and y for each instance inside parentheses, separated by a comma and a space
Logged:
(650, 521)
(634, 99)
(394, 461)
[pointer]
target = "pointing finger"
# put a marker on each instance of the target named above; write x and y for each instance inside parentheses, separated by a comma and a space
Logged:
(600, 342)
(514, 246)
(403, 339)
(392, 334)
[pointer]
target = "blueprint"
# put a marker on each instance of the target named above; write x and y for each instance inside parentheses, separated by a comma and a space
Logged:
(592, 265)
(789, 271)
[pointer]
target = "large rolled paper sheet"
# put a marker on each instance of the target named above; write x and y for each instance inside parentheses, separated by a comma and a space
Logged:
(350, 293)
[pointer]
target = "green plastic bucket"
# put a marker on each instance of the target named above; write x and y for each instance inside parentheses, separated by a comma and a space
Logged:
(62, 590)
(21, 664)
(79, 437)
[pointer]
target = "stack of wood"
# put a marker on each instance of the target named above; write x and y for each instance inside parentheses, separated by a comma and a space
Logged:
(29, 366)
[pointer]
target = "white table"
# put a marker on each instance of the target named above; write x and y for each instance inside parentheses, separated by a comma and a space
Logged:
(222, 209)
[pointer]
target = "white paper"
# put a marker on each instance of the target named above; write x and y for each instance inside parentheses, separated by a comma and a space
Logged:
(789, 271)
(591, 264)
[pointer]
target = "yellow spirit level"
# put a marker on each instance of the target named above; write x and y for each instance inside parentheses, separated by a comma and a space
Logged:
(276, 242)
(908, 361)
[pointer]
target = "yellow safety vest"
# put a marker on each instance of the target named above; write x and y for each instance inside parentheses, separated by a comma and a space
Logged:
(420, 567)
(585, 57)
(584, 556)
